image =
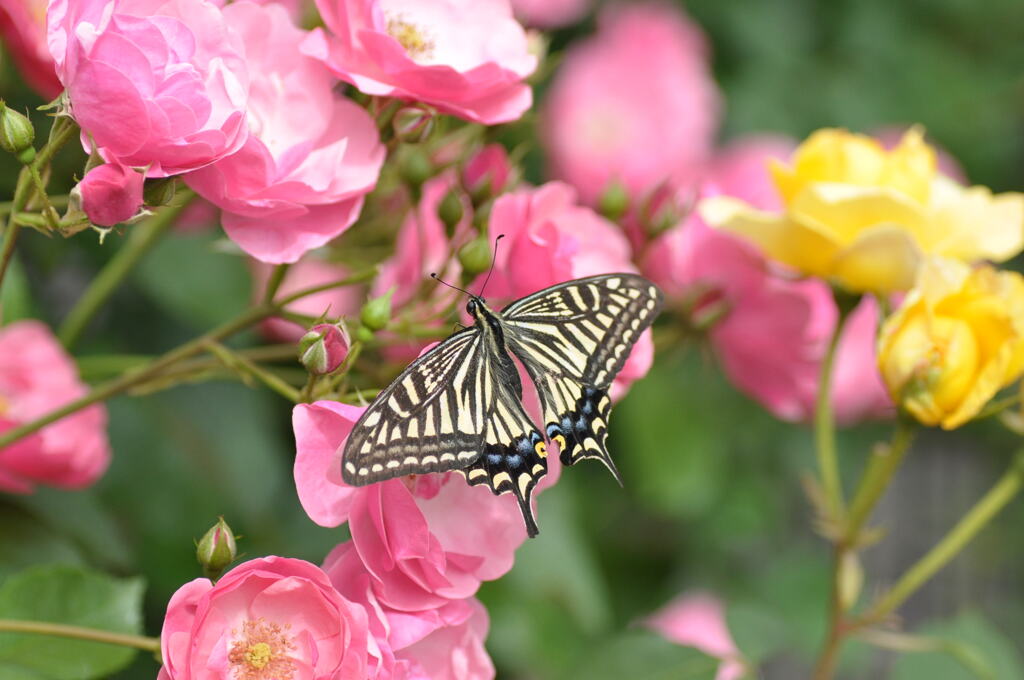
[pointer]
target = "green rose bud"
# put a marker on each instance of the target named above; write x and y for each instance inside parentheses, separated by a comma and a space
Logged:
(614, 202)
(413, 124)
(414, 166)
(216, 550)
(475, 256)
(16, 135)
(377, 312)
(450, 211)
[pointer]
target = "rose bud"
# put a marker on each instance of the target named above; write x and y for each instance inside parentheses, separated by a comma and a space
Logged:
(487, 173)
(377, 312)
(413, 124)
(16, 134)
(110, 194)
(323, 348)
(216, 550)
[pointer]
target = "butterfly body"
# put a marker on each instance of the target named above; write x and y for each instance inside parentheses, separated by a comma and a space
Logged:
(459, 406)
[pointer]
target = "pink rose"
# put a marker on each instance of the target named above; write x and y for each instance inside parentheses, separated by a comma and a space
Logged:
(23, 29)
(110, 194)
(308, 272)
(412, 537)
(267, 618)
(775, 328)
(453, 652)
(698, 620)
(488, 171)
(466, 57)
(159, 84)
(311, 155)
(550, 13)
(550, 239)
(36, 377)
(635, 104)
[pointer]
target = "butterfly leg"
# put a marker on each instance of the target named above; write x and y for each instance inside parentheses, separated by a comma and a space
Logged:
(582, 432)
(515, 468)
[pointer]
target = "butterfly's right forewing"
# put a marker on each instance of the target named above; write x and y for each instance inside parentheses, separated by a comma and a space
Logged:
(432, 418)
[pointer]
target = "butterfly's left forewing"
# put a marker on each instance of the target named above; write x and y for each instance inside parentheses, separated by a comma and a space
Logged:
(573, 339)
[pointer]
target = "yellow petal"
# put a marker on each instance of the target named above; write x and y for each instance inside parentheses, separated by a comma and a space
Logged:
(778, 237)
(846, 210)
(910, 166)
(988, 381)
(883, 259)
(833, 155)
(973, 224)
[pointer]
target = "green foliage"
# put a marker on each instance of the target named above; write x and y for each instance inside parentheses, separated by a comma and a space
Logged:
(642, 655)
(74, 596)
(978, 649)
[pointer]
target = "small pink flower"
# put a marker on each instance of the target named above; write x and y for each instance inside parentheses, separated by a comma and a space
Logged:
(36, 377)
(159, 84)
(110, 194)
(311, 155)
(23, 29)
(412, 536)
(550, 13)
(698, 620)
(549, 239)
(775, 328)
(635, 104)
(266, 619)
(466, 57)
(308, 272)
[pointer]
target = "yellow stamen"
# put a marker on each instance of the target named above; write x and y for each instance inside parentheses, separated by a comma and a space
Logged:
(262, 652)
(411, 37)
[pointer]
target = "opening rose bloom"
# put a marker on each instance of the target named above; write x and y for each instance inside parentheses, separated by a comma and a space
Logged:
(864, 218)
(465, 57)
(311, 155)
(266, 619)
(549, 239)
(110, 194)
(957, 339)
(36, 377)
(771, 330)
(635, 104)
(23, 29)
(157, 84)
(413, 538)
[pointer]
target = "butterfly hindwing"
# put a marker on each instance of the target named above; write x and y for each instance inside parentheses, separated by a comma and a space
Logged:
(573, 339)
(430, 419)
(514, 454)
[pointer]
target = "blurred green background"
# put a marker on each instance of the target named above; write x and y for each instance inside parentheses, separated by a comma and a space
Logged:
(713, 499)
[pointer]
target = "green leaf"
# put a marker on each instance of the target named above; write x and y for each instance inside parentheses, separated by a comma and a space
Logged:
(643, 655)
(756, 631)
(15, 296)
(979, 649)
(25, 541)
(73, 596)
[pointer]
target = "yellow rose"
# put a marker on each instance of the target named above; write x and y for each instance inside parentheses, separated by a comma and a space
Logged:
(957, 339)
(865, 218)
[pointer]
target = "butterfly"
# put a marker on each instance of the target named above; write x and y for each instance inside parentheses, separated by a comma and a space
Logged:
(459, 406)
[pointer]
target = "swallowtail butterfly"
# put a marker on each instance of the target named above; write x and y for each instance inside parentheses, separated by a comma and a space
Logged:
(459, 406)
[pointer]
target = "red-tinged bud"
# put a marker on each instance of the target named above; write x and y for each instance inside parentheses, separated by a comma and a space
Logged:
(323, 348)
(16, 134)
(413, 124)
(217, 549)
(487, 173)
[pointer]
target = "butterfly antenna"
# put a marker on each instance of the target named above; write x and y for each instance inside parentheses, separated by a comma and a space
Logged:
(494, 258)
(437, 278)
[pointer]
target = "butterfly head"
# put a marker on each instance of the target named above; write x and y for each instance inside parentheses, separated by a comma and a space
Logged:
(476, 307)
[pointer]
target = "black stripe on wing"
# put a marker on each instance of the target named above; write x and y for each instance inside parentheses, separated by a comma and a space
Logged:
(573, 339)
(430, 419)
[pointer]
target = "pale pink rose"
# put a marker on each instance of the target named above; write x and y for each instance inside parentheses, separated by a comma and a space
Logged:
(698, 620)
(453, 652)
(110, 194)
(310, 271)
(23, 29)
(549, 239)
(311, 155)
(465, 57)
(550, 13)
(157, 84)
(635, 104)
(271, 617)
(775, 328)
(487, 170)
(411, 535)
(36, 377)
